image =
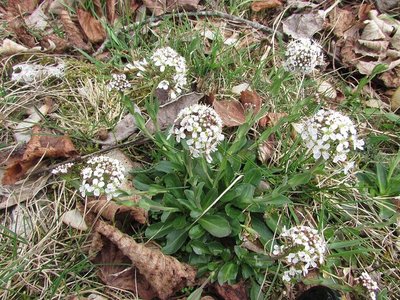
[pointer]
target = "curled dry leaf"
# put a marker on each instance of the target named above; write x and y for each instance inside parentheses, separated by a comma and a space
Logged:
(327, 90)
(72, 31)
(168, 113)
(126, 264)
(238, 89)
(91, 27)
(395, 101)
(37, 20)
(115, 212)
(57, 6)
(22, 6)
(186, 5)
(265, 4)
(41, 145)
(9, 47)
(53, 43)
(232, 292)
(157, 7)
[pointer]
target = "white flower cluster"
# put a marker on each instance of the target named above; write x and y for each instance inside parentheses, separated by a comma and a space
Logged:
(63, 169)
(330, 134)
(309, 249)
(118, 82)
(102, 175)
(302, 56)
(201, 128)
(172, 67)
(367, 282)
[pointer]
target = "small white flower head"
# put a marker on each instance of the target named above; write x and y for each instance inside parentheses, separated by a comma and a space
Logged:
(302, 249)
(173, 68)
(369, 284)
(330, 135)
(302, 56)
(118, 82)
(62, 169)
(102, 175)
(201, 127)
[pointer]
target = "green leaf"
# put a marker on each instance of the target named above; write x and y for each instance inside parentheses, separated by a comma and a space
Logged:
(196, 232)
(142, 182)
(381, 178)
(158, 230)
(149, 204)
(215, 225)
(228, 273)
(300, 179)
(166, 166)
(261, 228)
(199, 247)
(252, 176)
(175, 240)
(196, 295)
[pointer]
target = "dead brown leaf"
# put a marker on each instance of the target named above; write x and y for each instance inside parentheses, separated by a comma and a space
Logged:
(110, 11)
(232, 292)
(22, 6)
(232, 113)
(72, 31)
(341, 20)
(304, 25)
(168, 113)
(187, 5)
(9, 47)
(54, 43)
(124, 128)
(115, 212)
(91, 27)
(267, 149)
(251, 100)
(126, 264)
(41, 145)
(271, 119)
(391, 78)
(157, 7)
(265, 4)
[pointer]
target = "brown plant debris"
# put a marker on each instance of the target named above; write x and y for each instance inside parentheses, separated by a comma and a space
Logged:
(41, 145)
(265, 4)
(73, 34)
(232, 292)
(126, 264)
(91, 27)
(113, 211)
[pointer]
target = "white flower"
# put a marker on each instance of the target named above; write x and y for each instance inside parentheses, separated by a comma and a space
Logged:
(201, 127)
(163, 85)
(330, 134)
(302, 56)
(107, 172)
(118, 82)
(369, 284)
(303, 249)
(63, 169)
(168, 59)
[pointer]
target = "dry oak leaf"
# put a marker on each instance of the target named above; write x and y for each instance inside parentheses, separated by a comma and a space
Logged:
(110, 11)
(187, 5)
(251, 100)
(41, 145)
(232, 292)
(10, 47)
(126, 264)
(267, 149)
(271, 119)
(91, 27)
(157, 7)
(115, 212)
(265, 4)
